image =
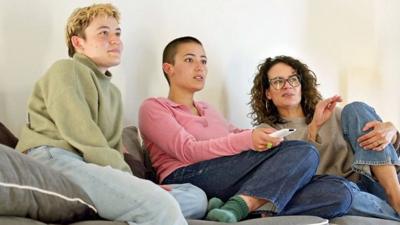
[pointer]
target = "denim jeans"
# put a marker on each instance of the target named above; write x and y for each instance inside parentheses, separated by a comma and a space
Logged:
(281, 175)
(191, 199)
(369, 196)
(117, 195)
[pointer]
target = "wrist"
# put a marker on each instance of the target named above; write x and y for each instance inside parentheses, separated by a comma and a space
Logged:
(312, 131)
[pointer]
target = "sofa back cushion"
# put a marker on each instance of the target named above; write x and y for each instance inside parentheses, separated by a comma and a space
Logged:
(136, 156)
(6, 137)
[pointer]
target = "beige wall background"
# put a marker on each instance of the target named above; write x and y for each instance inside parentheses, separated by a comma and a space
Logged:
(352, 46)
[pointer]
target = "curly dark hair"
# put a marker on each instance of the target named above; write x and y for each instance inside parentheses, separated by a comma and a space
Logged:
(264, 110)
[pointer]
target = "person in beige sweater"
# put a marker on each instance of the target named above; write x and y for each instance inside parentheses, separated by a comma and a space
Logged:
(75, 124)
(353, 142)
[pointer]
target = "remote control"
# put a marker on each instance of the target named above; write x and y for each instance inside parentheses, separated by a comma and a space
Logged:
(282, 133)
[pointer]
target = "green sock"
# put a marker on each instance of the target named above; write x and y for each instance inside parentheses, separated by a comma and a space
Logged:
(234, 210)
(214, 203)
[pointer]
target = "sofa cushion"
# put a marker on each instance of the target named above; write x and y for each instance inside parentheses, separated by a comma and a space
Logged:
(136, 156)
(360, 220)
(277, 220)
(6, 137)
(29, 189)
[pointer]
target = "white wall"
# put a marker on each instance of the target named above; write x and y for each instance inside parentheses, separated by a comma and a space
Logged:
(353, 46)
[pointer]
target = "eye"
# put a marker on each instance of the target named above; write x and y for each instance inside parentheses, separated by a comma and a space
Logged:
(118, 33)
(292, 79)
(279, 81)
(204, 61)
(103, 33)
(189, 60)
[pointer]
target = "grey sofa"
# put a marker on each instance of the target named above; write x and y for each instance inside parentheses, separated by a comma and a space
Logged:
(28, 207)
(285, 220)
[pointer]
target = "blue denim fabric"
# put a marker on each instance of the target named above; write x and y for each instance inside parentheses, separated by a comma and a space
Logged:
(117, 195)
(192, 200)
(326, 196)
(367, 204)
(369, 197)
(276, 175)
(354, 116)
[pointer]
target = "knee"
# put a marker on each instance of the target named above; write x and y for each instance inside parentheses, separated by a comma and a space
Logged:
(167, 203)
(305, 151)
(340, 192)
(192, 200)
(353, 108)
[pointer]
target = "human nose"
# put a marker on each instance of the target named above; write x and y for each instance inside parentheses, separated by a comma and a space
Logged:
(286, 84)
(115, 39)
(200, 65)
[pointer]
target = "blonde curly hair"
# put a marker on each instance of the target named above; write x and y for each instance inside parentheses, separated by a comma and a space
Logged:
(82, 17)
(263, 110)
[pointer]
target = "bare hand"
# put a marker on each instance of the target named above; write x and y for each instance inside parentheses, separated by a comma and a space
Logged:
(379, 137)
(262, 141)
(324, 110)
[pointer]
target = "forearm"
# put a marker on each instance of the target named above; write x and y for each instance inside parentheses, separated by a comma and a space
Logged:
(312, 132)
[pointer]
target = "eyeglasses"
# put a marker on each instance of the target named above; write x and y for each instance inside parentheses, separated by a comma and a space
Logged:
(279, 82)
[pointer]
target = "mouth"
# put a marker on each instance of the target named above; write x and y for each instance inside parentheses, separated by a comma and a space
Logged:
(117, 51)
(199, 77)
(288, 95)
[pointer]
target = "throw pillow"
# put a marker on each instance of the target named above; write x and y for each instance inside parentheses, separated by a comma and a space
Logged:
(29, 189)
(136, 156)
(6, 137)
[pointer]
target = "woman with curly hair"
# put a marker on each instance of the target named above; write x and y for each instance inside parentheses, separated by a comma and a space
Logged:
(353, 142)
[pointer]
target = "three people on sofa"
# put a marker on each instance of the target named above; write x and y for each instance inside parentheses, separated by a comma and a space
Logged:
(353, 143)
(75, 127)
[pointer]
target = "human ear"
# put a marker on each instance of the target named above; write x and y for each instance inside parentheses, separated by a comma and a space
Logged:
(167, 68)
(77, 43)
(268, 95)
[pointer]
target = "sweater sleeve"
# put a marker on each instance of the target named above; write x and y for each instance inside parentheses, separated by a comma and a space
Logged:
(159, 127)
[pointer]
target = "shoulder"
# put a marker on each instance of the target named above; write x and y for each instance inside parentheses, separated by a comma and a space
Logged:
(68, 65)
(154, 101)
(154, 104)
(63, 66)
(67, 70)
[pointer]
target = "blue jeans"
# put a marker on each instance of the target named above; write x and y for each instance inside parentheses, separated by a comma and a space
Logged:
(369, 196)
(117, 195)
(191, 199)
(284, 176)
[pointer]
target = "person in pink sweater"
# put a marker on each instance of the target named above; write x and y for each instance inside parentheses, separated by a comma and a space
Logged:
(241, 169)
